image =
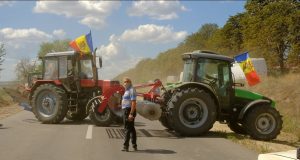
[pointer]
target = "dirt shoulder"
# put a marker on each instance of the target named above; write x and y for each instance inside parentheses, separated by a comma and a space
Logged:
(6, 111)
(10, 97)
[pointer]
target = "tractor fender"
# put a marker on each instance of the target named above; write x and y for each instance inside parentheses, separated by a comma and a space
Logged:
(40, 82)
(252, 104)
(206, 87)
(107, 94)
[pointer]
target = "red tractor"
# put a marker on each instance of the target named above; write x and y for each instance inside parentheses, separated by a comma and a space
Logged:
(69, 87)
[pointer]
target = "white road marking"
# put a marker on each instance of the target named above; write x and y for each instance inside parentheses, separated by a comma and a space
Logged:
(89, 133)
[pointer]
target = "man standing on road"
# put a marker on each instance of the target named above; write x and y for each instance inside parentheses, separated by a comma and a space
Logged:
(129, 109)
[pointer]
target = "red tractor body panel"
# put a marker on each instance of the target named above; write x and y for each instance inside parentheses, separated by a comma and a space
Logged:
(87, 83)
(108, 89)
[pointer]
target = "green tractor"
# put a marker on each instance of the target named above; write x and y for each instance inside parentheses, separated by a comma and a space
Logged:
(208, 93)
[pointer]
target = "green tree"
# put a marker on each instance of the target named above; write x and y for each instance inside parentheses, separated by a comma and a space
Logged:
(23, 68)
(55, 46)
(270, 29)
(199, 40)
(231, 34)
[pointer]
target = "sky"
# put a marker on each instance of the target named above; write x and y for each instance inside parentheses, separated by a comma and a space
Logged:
(123, 31)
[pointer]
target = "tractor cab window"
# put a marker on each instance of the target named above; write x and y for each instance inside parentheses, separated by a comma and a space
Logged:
(207, 71)
(51, 69)
(213, 72)
(217, 74)
(188, 69)
(63, 67)
(86, 69)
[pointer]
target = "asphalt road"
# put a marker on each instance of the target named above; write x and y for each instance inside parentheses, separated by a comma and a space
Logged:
(22, 137)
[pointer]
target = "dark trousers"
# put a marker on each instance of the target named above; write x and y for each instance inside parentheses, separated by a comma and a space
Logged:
(129, 128)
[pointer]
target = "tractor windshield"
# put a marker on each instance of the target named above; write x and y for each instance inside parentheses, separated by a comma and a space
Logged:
(86, 69)
(51, 69)
(188, 70)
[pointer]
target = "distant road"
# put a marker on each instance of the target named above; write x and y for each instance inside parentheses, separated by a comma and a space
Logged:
(8, 83)
(23, 138)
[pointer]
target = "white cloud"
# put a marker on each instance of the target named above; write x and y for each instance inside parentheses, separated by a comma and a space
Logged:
(6, 3)
(59, 33)
(20, 38)
(160, 10)
(22, 42)
(153, 33)
(116, 58)
(17, 38)
(90, 13)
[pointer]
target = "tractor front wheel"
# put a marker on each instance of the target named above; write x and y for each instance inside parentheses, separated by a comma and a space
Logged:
(263, 123)
(49, 103)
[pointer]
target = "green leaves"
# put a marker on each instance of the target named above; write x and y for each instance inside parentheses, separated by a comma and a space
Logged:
(55, 46)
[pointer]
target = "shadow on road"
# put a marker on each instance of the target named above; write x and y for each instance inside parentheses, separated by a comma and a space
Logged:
(156, 151)
(69, 122)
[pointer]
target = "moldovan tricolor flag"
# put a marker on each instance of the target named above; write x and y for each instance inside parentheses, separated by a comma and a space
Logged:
(247, 67)
(83, 43)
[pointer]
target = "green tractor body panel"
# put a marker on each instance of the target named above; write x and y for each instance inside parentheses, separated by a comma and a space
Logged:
(245, 94)
(171, 86)
(240, 93)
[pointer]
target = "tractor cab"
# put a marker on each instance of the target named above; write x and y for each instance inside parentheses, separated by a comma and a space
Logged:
(73, 70)
(211, 69)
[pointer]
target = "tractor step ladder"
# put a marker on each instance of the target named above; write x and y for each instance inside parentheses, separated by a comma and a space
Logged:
(73, 102)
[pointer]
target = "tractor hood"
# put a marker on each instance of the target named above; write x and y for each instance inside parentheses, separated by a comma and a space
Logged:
(245, 94)
(171, 86)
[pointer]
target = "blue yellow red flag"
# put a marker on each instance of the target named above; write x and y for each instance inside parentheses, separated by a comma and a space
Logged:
(248, 68)
(83, 44)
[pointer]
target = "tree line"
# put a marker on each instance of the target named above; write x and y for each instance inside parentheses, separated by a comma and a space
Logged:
(267, 28)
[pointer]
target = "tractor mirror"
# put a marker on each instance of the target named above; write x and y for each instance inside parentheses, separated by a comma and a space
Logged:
(100, 62)
(238, 84)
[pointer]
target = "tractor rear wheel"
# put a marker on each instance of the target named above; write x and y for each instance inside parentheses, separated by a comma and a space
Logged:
(193, 112)
(236, 127)
(49, 103)
(165, 122)
(263, 123)
(79, 116)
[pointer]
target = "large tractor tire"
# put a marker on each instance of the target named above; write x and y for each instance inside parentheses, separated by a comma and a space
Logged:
(49, 103)
(236, 127)
(263, 123)
(79, 116)
(193, 112)
(165, 122)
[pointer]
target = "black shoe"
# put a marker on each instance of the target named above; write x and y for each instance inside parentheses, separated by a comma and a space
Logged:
(125, 149)
(135, 147)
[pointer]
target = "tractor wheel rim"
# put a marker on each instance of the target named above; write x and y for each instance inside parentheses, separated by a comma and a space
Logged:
(46, 104)
(265, 123)
(104, 116)
(193, 112)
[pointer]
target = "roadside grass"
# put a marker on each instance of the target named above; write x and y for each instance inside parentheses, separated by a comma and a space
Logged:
(5, 99)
